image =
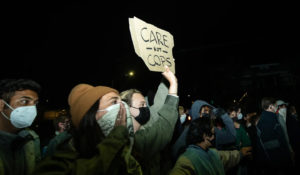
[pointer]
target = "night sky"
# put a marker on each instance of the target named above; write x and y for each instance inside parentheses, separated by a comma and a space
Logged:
(62, 44)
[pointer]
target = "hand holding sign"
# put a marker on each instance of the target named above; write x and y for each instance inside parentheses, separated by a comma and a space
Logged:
(169, 75)
(152, 44)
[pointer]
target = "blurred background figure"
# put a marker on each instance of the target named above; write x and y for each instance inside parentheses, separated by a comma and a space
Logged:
(273, 155)
(182, 114)
(293, 129)
(61, 125)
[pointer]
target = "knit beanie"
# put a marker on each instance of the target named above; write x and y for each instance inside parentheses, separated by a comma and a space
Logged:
(82, 97)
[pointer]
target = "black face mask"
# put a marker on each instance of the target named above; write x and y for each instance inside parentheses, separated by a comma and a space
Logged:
(235, 119)
(205, 115)
(213, 142)
(144, 115)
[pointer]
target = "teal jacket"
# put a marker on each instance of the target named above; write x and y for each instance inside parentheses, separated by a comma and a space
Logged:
(19, 153)
(60, 141)
(196, 161)
(113, 158)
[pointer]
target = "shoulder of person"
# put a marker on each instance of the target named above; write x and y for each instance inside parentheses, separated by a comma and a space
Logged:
(28, 132)
(33, 133)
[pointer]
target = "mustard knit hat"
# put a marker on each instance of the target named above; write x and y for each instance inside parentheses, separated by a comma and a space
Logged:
(82, 97)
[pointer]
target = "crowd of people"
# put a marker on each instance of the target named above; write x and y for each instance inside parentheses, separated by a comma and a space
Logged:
(110, 132)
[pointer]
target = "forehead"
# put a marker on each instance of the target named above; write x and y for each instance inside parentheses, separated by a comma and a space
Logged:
(25, 94)
(109, 96)
(137, 97)
(206, 108)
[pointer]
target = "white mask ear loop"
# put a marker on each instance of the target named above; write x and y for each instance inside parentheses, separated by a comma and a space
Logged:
(9, 107)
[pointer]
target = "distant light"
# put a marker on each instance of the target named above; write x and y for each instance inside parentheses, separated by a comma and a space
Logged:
(131, 73)
(189, 95)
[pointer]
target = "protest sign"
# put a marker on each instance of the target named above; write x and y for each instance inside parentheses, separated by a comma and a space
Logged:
(152, 44)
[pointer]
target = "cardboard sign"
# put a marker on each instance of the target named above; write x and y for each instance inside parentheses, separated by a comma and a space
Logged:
(152, 44)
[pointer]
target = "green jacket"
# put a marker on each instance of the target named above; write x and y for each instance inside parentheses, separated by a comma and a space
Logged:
(113, 158)
(152, 138)
(242, 138)
(190, 163)
(19, 153)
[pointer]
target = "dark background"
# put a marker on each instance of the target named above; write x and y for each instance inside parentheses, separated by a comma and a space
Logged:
(223, 49)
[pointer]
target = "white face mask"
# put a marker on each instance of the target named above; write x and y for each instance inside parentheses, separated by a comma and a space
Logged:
(282, 111)
(107, 121)
(182, 118)
(22, 116)
(249, 124)
(240, 116)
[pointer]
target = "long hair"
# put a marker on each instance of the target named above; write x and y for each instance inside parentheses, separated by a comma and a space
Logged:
(88, 134)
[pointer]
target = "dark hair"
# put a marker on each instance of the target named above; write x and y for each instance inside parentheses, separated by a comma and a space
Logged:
(8, 87)
(231, 109)
(292, 109)
(197, 129)
(88, 134)
(266, 102)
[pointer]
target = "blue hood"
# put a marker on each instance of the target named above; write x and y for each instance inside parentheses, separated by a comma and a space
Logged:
(195, 109)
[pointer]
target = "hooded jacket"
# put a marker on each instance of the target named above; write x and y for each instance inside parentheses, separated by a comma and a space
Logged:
(224, 136)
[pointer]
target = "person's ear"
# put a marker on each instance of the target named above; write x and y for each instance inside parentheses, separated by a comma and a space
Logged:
(270, 107)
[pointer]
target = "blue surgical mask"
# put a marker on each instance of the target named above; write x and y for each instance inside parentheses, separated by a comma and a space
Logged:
(182, 118)
(240, 116)
(22, 116)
